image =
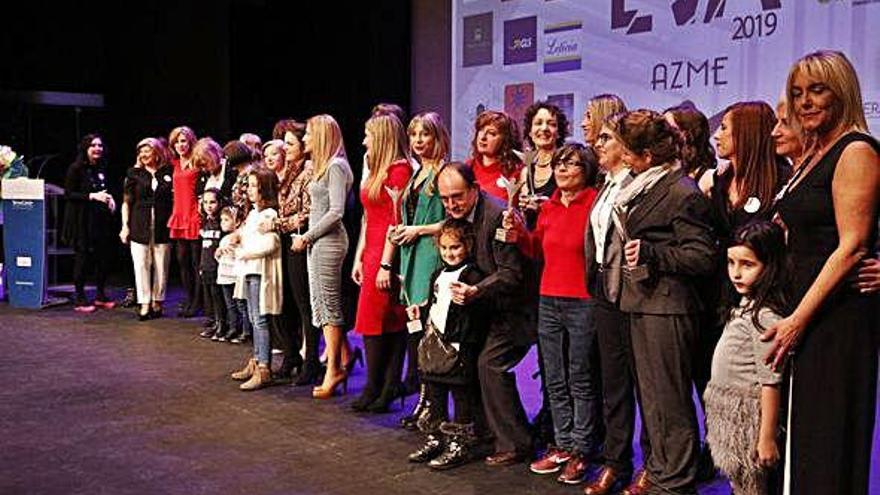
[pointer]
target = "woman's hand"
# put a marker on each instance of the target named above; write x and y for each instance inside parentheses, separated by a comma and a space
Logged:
(402, 235)
(299, 244)
(383, 279)
(631, 252)
(265, 226)
(512, 221)
(531, 202)
(357, 272)
(868, 277)
(768, 452)
(413, 312)
(785, 334)
(123, 234)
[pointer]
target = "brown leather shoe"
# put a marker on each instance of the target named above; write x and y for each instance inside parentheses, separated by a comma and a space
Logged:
(607, 482)
(639, 486)
(508, 458)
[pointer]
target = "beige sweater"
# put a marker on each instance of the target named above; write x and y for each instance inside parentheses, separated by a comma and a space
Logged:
(265, 251)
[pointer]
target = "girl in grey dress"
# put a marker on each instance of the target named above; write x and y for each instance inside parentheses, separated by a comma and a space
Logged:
(742, 397)
(327, 242)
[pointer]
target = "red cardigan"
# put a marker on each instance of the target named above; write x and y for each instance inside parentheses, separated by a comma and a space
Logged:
(559, 238)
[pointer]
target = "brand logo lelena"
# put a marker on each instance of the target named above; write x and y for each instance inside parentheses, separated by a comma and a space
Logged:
(683, 12)
(562, 47)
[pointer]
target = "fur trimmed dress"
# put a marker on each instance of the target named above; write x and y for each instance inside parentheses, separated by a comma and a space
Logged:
(733, 396)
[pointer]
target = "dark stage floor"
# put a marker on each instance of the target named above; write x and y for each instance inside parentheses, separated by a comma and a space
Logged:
(101, 403)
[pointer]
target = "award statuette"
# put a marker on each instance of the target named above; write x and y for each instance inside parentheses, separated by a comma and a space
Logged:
(512, 186)
(635, 273)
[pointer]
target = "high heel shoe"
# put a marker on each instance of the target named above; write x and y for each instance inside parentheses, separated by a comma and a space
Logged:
(357, 356)
(389, 394)
(329, 391)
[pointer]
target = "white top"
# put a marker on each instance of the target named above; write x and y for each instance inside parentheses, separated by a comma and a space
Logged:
(252, 239)
(443, 294)
(226, 265)
(216, 181)
(600, 216)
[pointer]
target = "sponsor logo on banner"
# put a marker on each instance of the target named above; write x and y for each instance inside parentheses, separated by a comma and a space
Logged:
(477, 43)
(565, 102)
(517, 98)
(872, 109)
(683, 12)
(562, 46)
(521, 40)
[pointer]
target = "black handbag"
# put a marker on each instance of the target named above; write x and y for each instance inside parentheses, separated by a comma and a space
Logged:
(435, 356)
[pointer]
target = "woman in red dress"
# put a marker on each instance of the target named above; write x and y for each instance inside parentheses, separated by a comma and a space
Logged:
(185, 221)
(495, 138)
(380, 316)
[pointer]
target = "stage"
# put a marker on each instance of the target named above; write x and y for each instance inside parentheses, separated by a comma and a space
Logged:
(102, 403)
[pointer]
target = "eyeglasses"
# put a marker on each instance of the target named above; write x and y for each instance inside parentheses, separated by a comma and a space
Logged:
(568, 163)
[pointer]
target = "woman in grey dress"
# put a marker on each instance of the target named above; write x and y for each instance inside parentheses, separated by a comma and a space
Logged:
(327, 242)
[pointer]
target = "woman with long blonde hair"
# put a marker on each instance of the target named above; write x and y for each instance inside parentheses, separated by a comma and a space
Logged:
(380, 316)
(327, 243)
(185, 220)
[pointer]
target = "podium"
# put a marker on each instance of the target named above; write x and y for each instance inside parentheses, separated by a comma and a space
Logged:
(24, 239)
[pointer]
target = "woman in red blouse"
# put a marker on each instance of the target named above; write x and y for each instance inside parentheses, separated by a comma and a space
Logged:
(185, 221)
(495, 138)
(380, 316)
(564, 313)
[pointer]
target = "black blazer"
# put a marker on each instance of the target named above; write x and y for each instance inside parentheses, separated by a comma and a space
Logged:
(143, 201)
(613, 260)
(502, 291)
(86, 222)
(678, 247)
(229, 179)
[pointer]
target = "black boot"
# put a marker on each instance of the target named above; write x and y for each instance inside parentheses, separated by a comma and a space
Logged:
(288, 368)
(433, 446)
(410, 421)
(311, 374)
(459, 438)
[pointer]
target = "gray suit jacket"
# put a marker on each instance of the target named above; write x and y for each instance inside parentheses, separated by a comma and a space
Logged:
(678, 248)
(613, 259)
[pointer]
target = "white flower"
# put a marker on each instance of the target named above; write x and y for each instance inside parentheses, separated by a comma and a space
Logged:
(7, 156)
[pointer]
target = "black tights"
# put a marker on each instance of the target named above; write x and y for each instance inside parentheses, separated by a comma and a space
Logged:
(384, 363)
(189, 257)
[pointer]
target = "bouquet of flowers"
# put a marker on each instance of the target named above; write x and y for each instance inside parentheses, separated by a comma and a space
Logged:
(11, 164)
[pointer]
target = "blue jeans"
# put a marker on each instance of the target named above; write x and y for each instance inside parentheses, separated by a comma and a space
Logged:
(234, 318)
(259, 322)
(570, 373)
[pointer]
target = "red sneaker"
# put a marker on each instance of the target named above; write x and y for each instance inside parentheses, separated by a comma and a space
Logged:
(575, 470)
(551, 462)
(105, 304)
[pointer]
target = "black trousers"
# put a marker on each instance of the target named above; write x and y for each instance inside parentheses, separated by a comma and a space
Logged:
(663, 351)
(503, 408)
(215, 307)
(385, 355)
(465, 400)
(300, 328)
(95, 258)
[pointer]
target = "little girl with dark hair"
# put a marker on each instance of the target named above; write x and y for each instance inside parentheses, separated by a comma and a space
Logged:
(742, 398)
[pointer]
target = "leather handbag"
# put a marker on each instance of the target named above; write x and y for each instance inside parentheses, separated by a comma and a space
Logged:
(436, 357)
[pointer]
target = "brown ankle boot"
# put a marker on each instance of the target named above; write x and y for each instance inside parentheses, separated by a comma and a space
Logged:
(247, 371)
(261, 377)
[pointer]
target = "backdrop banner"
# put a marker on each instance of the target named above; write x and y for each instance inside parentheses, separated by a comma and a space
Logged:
(653, 54)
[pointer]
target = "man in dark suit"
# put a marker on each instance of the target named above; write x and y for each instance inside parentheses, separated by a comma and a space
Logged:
(508, 338)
